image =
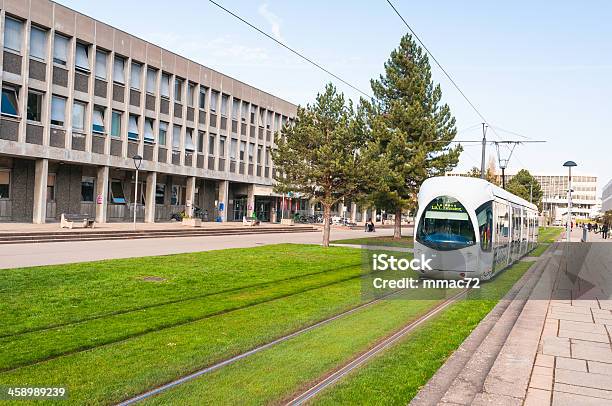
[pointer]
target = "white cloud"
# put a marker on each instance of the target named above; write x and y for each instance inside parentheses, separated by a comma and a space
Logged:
(272, 19)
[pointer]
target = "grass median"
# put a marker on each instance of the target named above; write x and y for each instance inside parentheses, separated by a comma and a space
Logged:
(382, 241)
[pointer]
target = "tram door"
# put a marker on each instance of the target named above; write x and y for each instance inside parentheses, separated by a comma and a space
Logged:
(516, 233)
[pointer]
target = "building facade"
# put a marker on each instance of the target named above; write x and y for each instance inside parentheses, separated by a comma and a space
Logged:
(80, 99)
(606, 197)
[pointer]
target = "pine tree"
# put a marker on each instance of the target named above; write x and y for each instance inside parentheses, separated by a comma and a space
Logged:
(412, 129)
(321, 156)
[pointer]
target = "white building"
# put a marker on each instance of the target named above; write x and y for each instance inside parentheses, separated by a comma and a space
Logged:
(606, 197)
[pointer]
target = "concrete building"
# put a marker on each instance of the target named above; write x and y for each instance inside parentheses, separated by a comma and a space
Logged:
(81, 98)
(606, 197)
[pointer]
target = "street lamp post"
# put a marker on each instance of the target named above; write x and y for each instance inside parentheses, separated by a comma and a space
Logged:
(568, 226)
(137, 161)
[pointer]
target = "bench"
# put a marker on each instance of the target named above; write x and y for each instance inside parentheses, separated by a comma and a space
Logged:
(249, 221)
(68, 220)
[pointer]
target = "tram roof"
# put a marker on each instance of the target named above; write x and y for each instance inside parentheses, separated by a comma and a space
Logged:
(475, 190)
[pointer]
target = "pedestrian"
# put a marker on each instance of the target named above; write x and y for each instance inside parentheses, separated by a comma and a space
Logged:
(604, 231)
(589, 226)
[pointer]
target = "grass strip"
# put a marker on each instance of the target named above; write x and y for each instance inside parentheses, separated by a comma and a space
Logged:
(396, 376)
(549, 234)
(383, 241)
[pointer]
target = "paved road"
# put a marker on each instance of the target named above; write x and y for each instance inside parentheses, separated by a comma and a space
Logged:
(22, 255)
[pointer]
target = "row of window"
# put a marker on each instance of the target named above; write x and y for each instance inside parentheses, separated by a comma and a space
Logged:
(38, 50)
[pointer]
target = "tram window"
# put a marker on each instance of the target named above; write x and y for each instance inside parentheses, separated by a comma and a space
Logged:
(445, 225)
(484, 215)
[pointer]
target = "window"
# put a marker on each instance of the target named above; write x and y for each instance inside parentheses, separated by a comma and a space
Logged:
(269, 120)
(60, 49)
(9, 104)
(176, 138)
(116, 124)
(235, 109)
(224, 102)
(5, 184)
(233, 148)
(190, 94)
(51, 187)
(116, 192)
(267, 156)
(12, 34)
(82, 57)
(253, 111)
(97, 124)
(133, 128)
(262, 113)
(259, 155)
(211, 144)
(203, 98)
(242, 149)
(148, 131)
(38, 43)
(222, 146)
(178, 89)
(244, 111)
(119, 70)
(34, 106)
(135, 75)
(163, 131)
(151, 79)
(160, 193)
(445, 225)
(277, 122)
(101, 65)
(58, 110)
(177, 195)
(214, 97)
(78, 116)
(165, 85)
(87, 189)
(251, 151)
(189, 146)
(201, 136)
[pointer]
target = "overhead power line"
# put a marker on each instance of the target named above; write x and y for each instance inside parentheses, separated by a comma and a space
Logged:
(307, 59)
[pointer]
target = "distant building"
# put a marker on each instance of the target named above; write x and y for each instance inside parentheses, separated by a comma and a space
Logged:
(606, 197)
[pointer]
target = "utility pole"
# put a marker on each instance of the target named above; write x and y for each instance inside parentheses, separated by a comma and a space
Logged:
(484, 149)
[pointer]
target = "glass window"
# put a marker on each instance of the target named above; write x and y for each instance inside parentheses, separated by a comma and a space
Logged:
(214, 97)
(116, 124)
(12, 34)
(101, 65)
(251, 151)
(224, 102)
(135, 75)
(163, 131)
(233, 148)
(203, 98)
(165, 85)
(82, 57)
(133, 128)
(259, 155)
(176, 197)
(262, 113)
(38, 43)
(78, 116)
(211, 144)
(201, 136)
(98, 119)
(178, 89)
(244, 111)
(253, 111)
(116, 192)
(189, 146)
(148, 131)
(277, 122)
(222, 146)
(58, 110)
(151, 79)
(190, 94)
(160, 193)
(484, 216)
(445, 225)
(9, 104)
(51, 187)
(267, 156)
(87, 189)
(5, 184)
(119, 70)
(176, 137)
(269, 120)
(242, 149)
(60, 49)
(235, 108)
(34, 106)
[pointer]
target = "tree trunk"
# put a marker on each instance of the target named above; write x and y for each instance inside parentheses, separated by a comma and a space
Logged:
(397, 227)
(326, 224)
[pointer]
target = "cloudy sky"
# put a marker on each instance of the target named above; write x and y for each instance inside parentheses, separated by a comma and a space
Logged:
(542, 70)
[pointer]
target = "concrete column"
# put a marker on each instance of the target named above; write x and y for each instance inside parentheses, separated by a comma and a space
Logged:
(41, 173)
(150, 197)
(250, 200)
(101, 194)
(223, 199)
(353, 212)
(374, 214)
(364, 215)
(190, 196)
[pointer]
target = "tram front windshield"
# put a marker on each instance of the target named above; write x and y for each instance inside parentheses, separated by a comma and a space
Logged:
(445, 225)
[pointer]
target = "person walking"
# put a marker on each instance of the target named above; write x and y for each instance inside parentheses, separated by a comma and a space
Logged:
(604, 231)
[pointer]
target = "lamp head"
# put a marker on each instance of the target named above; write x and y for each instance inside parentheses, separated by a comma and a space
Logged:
(137, 161)
(570, 164)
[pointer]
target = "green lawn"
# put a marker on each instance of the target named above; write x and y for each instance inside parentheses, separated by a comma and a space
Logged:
(384, 241)
(549, 234)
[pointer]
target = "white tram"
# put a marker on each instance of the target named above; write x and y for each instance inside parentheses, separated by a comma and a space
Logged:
(471, 228)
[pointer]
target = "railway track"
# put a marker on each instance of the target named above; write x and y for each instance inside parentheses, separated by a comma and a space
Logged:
(327, 381)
